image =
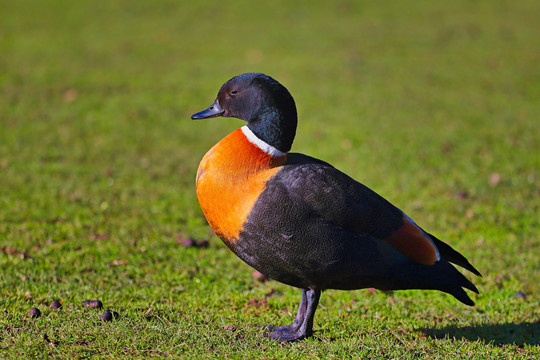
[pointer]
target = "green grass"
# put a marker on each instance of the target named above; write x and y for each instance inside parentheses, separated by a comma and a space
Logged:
(422, 101)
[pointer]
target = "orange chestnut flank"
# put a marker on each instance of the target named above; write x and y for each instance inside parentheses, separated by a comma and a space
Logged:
(301, 221)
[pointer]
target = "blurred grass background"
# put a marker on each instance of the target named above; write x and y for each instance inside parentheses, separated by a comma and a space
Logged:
(433, 105)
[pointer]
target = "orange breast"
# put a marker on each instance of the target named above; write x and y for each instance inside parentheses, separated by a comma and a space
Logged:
(230, 178)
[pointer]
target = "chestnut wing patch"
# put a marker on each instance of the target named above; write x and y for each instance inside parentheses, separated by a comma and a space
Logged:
(413, 243)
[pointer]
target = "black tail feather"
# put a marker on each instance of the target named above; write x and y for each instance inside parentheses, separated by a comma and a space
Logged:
(459, 294)
(466, 283)
(455, 282)
(441, 276)
(454, 257)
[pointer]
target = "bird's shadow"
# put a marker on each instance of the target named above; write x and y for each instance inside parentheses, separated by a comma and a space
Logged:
(527, 333)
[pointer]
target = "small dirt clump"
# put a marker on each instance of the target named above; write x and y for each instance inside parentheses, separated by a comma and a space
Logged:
(56, 304)
(94, 304)
(108, 315)
(34, 313)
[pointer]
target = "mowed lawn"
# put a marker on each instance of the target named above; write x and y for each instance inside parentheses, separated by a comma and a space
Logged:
(435, 106)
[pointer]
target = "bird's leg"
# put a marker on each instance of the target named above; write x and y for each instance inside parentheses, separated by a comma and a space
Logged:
(302, 326)
(300, 315)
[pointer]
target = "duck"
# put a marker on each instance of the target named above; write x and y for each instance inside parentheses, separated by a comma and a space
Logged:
(302, 222)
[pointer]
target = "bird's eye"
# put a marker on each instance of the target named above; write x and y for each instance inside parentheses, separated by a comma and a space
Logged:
(234, 92)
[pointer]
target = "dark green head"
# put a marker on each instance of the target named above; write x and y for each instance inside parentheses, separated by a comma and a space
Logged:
(264, 103)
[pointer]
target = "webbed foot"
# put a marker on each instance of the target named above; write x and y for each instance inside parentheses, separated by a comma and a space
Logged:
(287, 335)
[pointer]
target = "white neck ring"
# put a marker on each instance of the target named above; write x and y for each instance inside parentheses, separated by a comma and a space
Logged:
(267, 148)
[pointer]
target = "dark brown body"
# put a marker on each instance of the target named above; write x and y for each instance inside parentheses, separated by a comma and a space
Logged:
(304, 223)
(309, 225)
